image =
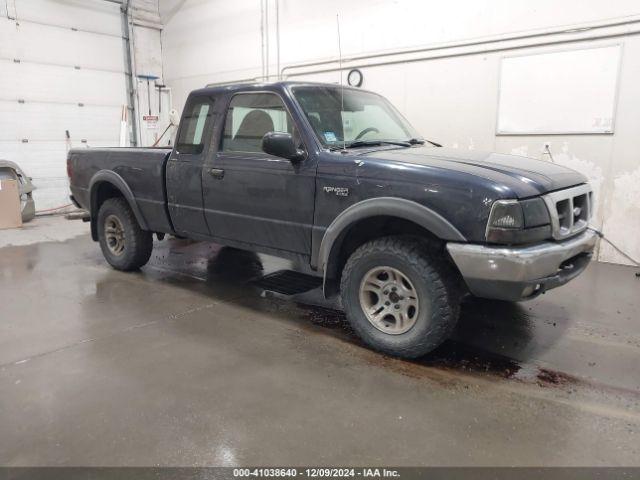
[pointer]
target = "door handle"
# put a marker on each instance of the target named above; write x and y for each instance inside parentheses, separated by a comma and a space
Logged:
(216, 172)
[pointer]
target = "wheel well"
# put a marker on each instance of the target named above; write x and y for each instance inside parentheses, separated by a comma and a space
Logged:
(103, 192)
(364, 231)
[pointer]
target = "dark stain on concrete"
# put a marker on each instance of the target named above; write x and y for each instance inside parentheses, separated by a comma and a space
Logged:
(326, 318)
(547, 378)
(451, 355)
(455, 355)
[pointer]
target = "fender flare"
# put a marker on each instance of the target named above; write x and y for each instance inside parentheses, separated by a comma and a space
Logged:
(383, 206)
(111, 177)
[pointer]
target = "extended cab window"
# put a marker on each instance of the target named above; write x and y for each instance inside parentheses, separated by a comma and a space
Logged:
(250, 116)
(194, 124)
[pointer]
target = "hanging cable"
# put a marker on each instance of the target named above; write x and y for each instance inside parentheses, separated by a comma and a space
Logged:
(40, 212)
(616, 248)
(548, 152)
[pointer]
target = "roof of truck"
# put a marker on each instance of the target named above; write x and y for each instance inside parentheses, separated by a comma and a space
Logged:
(234, 87)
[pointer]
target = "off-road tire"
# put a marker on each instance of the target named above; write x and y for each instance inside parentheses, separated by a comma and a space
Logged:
(138, 243)
(435, 282)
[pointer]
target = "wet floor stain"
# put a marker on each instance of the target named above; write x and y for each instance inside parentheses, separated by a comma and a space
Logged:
(451, 356)
(491, 338)
(548, 377)
(326, 318)
(458, 356)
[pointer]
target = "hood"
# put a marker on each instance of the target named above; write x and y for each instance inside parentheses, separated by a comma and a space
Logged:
(524, 176)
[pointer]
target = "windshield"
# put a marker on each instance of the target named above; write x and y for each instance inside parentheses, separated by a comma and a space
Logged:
(360, 118)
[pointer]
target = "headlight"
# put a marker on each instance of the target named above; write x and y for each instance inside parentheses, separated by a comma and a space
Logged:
(513, 221)
(506, 214)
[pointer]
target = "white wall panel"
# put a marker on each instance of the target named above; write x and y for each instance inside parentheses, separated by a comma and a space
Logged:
(39, 159)
(48, 122)
(33, 42)
(51, 38)
(95, 15)
(196, 33)
(45, 163)
(216, 38)
(452, 100)
(49, 83)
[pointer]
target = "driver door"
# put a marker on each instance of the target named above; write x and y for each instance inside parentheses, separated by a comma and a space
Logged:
(256, 198)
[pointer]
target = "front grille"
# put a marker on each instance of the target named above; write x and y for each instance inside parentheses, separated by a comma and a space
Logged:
(570, 210)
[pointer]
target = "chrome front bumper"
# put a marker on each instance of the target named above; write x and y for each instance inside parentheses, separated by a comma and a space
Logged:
(521, 273)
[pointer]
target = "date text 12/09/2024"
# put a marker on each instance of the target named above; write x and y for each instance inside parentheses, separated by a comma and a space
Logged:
(316, 472)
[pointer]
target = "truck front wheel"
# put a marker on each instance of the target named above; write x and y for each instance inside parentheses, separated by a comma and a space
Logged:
(124, 244)
(399, 298)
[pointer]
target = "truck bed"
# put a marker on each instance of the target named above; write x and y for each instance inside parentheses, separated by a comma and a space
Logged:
(142, 169)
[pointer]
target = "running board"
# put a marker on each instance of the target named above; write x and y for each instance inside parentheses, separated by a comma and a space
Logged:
(288, 282)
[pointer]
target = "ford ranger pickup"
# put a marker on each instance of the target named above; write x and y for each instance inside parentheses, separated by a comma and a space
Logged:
(398, 227)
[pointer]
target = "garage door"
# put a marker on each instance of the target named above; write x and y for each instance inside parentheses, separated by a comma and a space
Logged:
(61, 68)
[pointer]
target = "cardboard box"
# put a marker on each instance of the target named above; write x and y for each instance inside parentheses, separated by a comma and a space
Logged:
(10, 214)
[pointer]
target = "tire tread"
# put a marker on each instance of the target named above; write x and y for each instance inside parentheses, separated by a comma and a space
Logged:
(139, 242)
(423, 258)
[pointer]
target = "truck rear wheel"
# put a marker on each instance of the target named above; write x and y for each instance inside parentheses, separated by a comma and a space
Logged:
(399, 298)
(124, 244)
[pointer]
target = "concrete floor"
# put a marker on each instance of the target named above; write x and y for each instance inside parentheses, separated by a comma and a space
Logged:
(184, 363)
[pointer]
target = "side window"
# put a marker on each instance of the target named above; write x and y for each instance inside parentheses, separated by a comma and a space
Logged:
(249, 117)
(194, 125)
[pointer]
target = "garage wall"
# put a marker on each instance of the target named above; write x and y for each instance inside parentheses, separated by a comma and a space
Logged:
(449, 91)
(62, 68)
(152, 104)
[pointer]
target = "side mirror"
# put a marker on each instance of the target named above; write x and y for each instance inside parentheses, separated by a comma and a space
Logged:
(281, 144)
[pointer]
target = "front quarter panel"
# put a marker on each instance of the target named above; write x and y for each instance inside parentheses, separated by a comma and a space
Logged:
(346, 179)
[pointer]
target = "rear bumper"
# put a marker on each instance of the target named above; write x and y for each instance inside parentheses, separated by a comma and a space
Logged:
(521, 273)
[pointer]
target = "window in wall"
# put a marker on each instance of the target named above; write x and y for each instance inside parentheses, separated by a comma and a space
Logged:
(194, 125)
(250, 116)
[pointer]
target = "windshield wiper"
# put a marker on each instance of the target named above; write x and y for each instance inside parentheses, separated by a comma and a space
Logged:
(417, 141)
(376, 143)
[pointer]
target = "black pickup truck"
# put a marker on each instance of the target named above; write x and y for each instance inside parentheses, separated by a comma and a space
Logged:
(398, 226)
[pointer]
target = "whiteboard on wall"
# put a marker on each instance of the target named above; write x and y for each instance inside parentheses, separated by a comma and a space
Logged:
(561, 92)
